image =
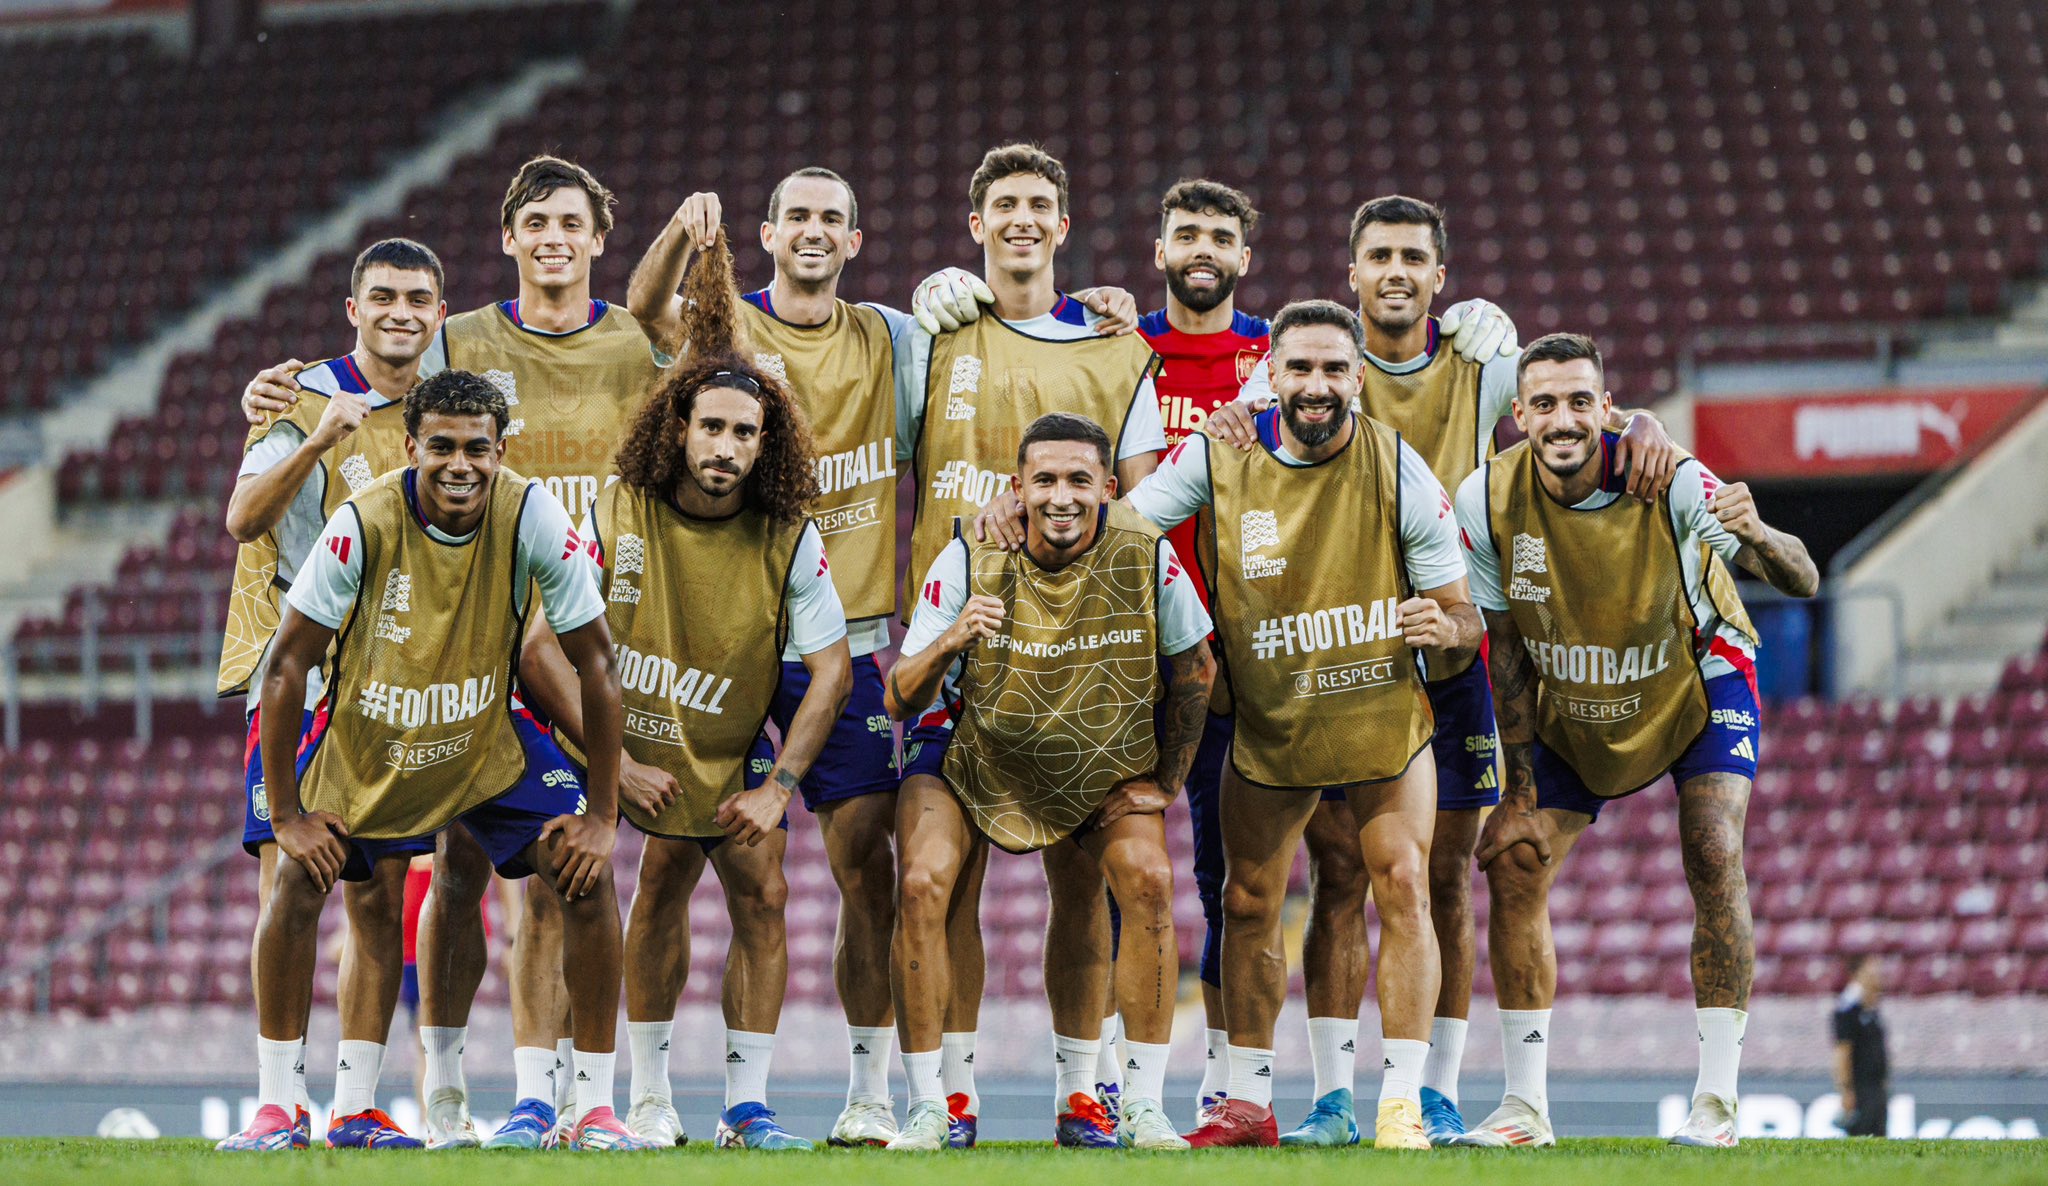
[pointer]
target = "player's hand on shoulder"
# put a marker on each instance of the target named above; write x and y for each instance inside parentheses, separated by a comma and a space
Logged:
(980, 618)
(1116, 309)
(697, 219)
(344, 414)
(1133, 796)
(948, 299)
(314, 840)
(1001, 522)
(1479, 331)
(1735, 507)
(1648, 455)
(649, 788)
(1425, 625)
(274, 390)
(1233, 423)
(580, 848)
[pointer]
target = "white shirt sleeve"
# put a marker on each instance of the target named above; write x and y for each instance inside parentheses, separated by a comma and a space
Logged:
(1182, 620)
(1171, 494)
(1429, 533)
(1259, 386)
(1691, 487)
(816, 617)
(913, 349)
(283, 440)
(939, 602)
(1497, 385)
(435, 360)
(553, 554)
(325, 588)
(1144, 432)
(1482, 563)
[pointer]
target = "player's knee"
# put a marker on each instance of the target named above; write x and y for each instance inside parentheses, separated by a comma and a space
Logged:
(922, 895)
(459, 881)
(764, 900)
(293, 896)
(1517, 880)
(602, 896)
(1403, 885)
(1244, 902)
(1146, 887)
(1713, 853)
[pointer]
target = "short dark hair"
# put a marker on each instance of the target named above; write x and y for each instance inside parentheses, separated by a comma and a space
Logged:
(1065, 426)
(403, 254)
(1401, 211)
(1319, 312)
(822, 174)
(455, 393)
(543, 175)
(1199, 195)
(1011, 160)
(1560, 348)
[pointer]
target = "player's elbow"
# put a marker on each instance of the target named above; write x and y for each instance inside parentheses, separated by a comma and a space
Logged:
(244, 526)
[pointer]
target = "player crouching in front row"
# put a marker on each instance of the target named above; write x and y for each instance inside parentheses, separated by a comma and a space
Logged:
(425, 576)
(1050, 657)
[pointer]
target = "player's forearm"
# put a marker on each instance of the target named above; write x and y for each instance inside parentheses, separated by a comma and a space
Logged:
(603, 734)
(260, 500)
(1193, 674)
(1781, 561)
(1134, 469)
(1844, 1083)
(651, 293)
(914, 682)
(1513, 674)
(811, 727)
(1467, 630)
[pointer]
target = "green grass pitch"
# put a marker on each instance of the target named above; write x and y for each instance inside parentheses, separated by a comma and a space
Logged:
(1576, 1163)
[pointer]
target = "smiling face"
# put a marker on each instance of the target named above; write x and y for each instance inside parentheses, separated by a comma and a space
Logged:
(1063, 485)
(1019, 225)
(396, 312)
(811, 235)
(1561, 406)
(1315, 370)
(456, 457)
(722, 440)
(1396, 274)
(1202, 255)
(554, 239)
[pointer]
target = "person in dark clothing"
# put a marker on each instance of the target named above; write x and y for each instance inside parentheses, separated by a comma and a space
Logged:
(1861, 1072)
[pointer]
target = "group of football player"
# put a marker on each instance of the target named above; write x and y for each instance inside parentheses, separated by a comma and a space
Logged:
(1281, 566)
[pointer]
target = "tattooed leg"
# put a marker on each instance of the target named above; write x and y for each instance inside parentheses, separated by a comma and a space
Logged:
(1712, 809)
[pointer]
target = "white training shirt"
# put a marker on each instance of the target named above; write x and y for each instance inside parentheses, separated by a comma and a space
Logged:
(549, 552)
(1180, 487)
(1691, 486)
(817, 619)
(1143, 432)
(1183, 621)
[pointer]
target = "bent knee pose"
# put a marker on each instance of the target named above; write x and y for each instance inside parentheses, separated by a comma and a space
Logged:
(1620, 652)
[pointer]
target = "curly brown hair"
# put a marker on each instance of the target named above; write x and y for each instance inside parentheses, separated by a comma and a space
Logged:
(784, 479)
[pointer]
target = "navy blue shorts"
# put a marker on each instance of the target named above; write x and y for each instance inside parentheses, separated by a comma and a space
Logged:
(1205, 819)
(506, 826)
(1728, 745)
(255, 803)
(859, 757)
(760, 764)
(1464, 742)
(924, 744)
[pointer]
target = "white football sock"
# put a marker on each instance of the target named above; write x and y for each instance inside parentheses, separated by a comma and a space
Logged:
(957, 1071)
(1720, 1033)
(649, 1041)
(533, 1073)
(1073, 1066)
(1525, 1056)
(304, 1097)
(868, 1057)
(1251, 1075)
(1446, 1054)
(593, 1079)
(1108, 1067)
(746, 1066)
(356, 1067)
(1144, 1071)
(1401, 1069)
(921, 1077)
(565, 1078)
(274, 1063)
(1333, 1051)
(443, 1046)
(1215, 1065)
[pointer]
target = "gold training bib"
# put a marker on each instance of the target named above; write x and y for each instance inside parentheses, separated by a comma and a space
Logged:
(1599, 597)
(1057, 707)
(988, 382)
(844, 374)
(1436, 411)
(1306, 573)
(695, 608)
(422, 721)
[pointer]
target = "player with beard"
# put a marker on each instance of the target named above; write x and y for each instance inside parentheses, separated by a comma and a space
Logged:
(1620, 652)
(297, 468)
(838, 359)
(1333, 567)
(574, 369)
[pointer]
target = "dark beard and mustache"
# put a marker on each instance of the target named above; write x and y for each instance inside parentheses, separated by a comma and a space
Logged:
(1313, 435)
(1566, 471)
(698, 472)
(1196, 300)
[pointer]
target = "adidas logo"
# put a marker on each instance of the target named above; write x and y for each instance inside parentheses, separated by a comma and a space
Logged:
(1744, 750)
(583, 1076)
(343, 1066)
(1386, 1064)
(860, 1048)
(1487, 781)
(1535, 1038)
(1349, 1047)
(1212, 1056)
(734, 1056)
(969, 1060)
(1265, 1071)
(1130, 1064)
(664, 1047)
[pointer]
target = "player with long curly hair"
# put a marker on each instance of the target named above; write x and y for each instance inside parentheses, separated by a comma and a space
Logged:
(710, 567)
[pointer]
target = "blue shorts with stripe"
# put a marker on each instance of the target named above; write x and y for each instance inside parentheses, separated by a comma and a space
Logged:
(1464, 743)
(859, 757)
(1728, 745)
(760, 764)
(924, 744)
(255, 802)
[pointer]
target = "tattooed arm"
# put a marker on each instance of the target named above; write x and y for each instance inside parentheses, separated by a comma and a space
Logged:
(1517, 820)
(1772, 556)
